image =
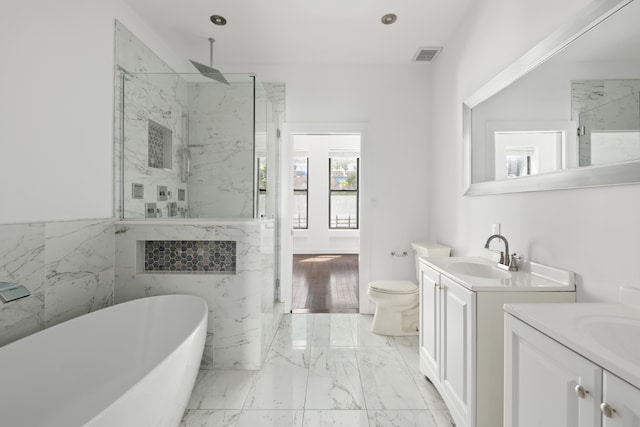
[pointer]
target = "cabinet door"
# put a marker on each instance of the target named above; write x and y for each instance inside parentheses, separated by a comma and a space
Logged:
(457, 373)
(624, 399)
(429, 322)
(540, 380)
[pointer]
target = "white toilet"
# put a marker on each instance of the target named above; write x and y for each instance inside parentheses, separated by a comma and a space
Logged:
(397, 300)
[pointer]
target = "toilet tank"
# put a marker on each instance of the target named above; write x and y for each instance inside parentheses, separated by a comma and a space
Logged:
(428, 249)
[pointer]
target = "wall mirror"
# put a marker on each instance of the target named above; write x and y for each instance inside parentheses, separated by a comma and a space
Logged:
(564, 115)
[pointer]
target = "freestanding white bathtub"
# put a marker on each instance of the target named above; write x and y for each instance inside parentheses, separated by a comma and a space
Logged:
(133, 364)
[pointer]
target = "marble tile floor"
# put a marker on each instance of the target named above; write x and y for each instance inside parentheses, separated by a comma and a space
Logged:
(322, 370)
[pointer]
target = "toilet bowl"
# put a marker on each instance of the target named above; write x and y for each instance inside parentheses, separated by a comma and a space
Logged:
(397, 301)
(396, 307)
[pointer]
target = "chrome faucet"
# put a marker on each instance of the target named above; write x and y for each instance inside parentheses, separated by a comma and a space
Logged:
(506, 261)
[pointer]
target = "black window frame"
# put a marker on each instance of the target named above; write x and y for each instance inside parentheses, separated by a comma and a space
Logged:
(356, 191)
(306, 193)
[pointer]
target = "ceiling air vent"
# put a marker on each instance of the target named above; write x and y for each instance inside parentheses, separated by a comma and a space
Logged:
(427, 54)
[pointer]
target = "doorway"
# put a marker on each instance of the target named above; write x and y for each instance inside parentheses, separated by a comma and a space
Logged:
(326, 222)
(325, 283)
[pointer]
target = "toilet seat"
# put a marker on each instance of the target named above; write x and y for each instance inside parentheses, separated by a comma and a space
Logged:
(403, 287)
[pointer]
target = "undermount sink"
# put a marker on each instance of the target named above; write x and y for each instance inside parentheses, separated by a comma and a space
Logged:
(479, 270)
(617, 334)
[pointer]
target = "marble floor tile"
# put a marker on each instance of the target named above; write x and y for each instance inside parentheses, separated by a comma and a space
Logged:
(386, 381)
(408, 418)
(363, 337)
(408, 348)
(270, 418)
(221, 389)
(334, 380)
(333, 330)
(209, 418)
(315, 376)
(335, 419)
(282, 382)
(295, 331)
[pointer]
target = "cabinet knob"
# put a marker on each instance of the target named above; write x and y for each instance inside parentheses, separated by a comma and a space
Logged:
(581, 391)
(607, 410)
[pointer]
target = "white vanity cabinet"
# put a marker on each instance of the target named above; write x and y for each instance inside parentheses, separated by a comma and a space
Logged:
(547, 384)
(461, 341)
(449, 358)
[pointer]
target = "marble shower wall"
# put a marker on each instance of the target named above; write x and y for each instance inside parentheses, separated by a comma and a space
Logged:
(221, 123)
(67, 266)
(602, 105)
(152, 91)
(242, 314)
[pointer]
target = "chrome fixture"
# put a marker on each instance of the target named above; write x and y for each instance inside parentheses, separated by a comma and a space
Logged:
(218, 20)
(506, 261)
(389, 18)
(209, 71)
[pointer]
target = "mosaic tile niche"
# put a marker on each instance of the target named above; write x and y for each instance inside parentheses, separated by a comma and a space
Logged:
(160, 143)
(180, 256)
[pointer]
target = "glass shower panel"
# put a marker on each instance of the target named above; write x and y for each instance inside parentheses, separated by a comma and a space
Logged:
(187, 146)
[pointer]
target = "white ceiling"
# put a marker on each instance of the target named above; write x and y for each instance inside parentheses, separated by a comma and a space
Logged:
(302, 31)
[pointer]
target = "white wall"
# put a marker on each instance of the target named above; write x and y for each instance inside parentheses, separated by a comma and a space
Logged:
(594, 232)
(393, 103)
(56, 107)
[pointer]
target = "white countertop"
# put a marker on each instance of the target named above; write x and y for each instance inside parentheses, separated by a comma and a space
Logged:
(531, 277)
(606, 334)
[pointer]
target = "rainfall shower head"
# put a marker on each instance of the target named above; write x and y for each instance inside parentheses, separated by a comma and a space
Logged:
(208, 70)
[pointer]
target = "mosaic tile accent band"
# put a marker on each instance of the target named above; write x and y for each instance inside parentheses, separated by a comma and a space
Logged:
(177, 256)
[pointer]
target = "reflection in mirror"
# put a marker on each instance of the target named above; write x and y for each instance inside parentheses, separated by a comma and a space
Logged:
(566, 114)
(608, 117)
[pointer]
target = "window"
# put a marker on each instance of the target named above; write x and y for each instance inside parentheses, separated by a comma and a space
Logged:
(300, 192)
(344, 180)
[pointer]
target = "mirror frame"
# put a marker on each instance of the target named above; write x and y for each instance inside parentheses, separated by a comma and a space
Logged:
(587, 176)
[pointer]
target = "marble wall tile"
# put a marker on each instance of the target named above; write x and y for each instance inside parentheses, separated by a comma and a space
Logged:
(221, 140)
(160, 96)
(22, 261)
(236, 344)
(67, 266)
(604, 104)
(236, 324)
(79, 271)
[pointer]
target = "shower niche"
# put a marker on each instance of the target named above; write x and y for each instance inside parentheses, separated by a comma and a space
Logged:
(160, 143)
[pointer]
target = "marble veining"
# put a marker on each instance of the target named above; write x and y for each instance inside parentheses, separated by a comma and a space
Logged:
(22, 261)
(67, 266)
(386, 382)
(79, 270)
(239, 323)
(334, 381)
(308, 382)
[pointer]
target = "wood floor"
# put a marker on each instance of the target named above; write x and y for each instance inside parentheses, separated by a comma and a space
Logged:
(325, 284)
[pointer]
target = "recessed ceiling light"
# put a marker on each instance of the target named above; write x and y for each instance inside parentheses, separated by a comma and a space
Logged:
(389, 18)
(218, 20)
